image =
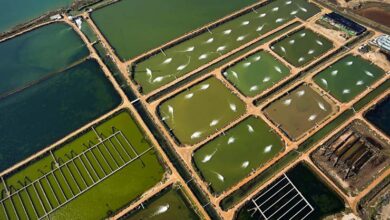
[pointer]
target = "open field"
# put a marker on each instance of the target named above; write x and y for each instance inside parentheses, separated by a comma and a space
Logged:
(97, 173)
(201, 110)
(299, 110)
(298, 194)
(247, 146)
(301, 47)
(38, 54)
(161, 68)
(171, 203)
(136, 31)
(348, 77)
(41, 114)
(379, 115)
(256, 73)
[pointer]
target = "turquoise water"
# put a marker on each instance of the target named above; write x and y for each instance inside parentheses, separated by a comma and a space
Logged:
(36, 117)
(14, 12)
(36, 54)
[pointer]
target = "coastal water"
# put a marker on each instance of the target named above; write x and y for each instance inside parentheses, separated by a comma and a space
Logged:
(14, 12)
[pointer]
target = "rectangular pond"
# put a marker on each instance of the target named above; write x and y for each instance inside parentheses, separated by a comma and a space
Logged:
(379, 115)
(38, 54)
(171, 203)
(302, 47)
(256, 73)
(82, 185)
(39, 115)
(247, 146)
(298, 111)
(200, 111)
(164, 67)
(348, 77)
(141, 25)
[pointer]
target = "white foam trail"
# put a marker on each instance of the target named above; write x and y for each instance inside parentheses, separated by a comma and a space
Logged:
(268, 148)
(349, 63)
(245, 23)
(170, 110)
(324, 82)
(209, 156)
(322, 106)
(247, 64)
(319, 42)
(279, 20)
(334, 72)
(149, 74)
(214, 122)
(221, 48)
(204, 86)
(161, 209)
(288, 2)
(360, 82)
(226, 32)
(275, 9)
(257, 58)
(278, 69)
(287, 102)
(283, 49)
(310, 52)
(368, 73)
(189, 95)
(291, 42)
(301, 93)
(181, 67)
(302, 34)
(346, 91)
(250, 129)
(260, 28)
(168, 60)
(158, 79)
(301, 59)
(210, 40)
(240, 38)
(266, 79)
(233, 107)
(262, 15)
(196, 134)
(302, 8)
(235, 74)
(203, 56)
(190, 49)
(293, 12)
(245, 164)
(254, 88)
(220, 177)
(231, 140)
(312, 117)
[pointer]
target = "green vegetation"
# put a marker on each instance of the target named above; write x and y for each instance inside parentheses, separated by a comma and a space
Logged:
(348, 77)
(41, 114)
(171, 203)
(89, 33)
(200, 110)
(370, 96)
(256, 73)
(298, 111)
(103, 191)
(176, 61)
(141, 25)
(302, 47)
(37, 55)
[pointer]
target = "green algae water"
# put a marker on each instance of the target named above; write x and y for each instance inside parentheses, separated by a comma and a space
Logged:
(247, 146)
(135, 26)
(39, 115)
(14, 12)
(37, 54)
(169, 204)
(199, 111)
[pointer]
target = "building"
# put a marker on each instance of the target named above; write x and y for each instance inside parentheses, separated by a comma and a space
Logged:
(383, 42)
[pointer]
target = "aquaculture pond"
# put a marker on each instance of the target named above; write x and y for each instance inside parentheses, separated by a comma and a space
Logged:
(39, 115)
(171, 203)
(302, 47)
(16, 12)
(143, 25)
(348, 77)
(247, 146)
(164, 67)
(324, 201)
(38, 54)
(83, 186)
(200, 110)
(379, 115)
(298, 111)
(256, 73)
